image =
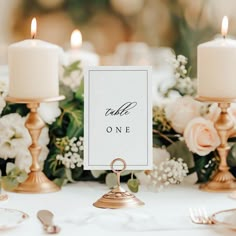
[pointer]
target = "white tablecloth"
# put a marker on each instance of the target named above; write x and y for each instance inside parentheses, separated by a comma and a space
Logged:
(164, 213)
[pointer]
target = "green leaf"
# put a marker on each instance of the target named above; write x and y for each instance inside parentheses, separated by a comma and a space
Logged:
(75, 117)
(10, 167)
(133, 185)
(232, 156)
(66, 91)
(9, 184)
(80, 91)
(75, 126)
(77, 172)
(70, 68)
(97, 173)
(60, 181)
(111, 180)
(205, 166)
(60, 173)
(22, 177)
(179, 149)
(69, 175)
(157, 141)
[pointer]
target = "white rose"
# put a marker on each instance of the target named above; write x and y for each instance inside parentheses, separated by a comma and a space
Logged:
(181, 111)
(49, 111)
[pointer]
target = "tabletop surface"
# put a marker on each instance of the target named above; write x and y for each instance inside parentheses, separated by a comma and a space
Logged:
(164, 213)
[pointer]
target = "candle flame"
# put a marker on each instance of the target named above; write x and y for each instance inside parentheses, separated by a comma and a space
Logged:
(33, 28)
(76, 39)
(224, 26)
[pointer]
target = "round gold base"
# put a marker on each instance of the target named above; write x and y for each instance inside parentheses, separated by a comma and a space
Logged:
(118, 198)
(37, 182)
(218, 187)
(223, 181)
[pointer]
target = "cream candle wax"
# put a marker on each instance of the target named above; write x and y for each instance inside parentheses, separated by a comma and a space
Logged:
(33, 68)
(217, 66)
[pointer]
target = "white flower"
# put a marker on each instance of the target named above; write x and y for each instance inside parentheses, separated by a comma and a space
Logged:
(166, 171)
(182, 59)
(213, 112)
(3, 92)
(73, 81)
(13, 135)
(71, 152)
(49, 111)
(177, 75)
(15, 140)
(181, 111)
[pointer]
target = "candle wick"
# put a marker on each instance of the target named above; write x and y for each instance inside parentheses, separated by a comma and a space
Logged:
(33, 36)
(224, 36)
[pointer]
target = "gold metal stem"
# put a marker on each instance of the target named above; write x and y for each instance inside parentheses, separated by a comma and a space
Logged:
(34, 124)
(36, 182)
(223, 180)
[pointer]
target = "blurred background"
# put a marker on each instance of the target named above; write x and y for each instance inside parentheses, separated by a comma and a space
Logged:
(121, 32)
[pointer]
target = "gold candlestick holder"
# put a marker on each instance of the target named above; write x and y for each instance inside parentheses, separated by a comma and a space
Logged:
(118, 197)
(223, 180)
(37, 182)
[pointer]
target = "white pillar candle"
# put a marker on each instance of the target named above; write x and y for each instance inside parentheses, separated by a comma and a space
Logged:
(217, 67)
(77, 54)
(33, 68)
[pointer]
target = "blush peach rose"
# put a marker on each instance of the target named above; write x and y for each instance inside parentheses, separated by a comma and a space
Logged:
(181, 111)
(201, 136)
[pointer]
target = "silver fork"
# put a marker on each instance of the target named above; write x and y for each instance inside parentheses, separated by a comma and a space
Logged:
(200, 216)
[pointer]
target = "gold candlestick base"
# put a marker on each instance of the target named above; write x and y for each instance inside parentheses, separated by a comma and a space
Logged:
(223, 180)
(37, 182)
(118, 197)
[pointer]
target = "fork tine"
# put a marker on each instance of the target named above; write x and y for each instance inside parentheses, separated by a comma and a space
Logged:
(199, 216)
(193, 214)
(203, 215)
(207, 217)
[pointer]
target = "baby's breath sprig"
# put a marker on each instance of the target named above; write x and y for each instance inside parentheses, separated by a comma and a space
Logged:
(71, 151)
(170, 171)
(183, 83)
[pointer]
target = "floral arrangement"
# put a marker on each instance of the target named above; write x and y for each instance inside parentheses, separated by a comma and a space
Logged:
(184, 137)
(185, 128)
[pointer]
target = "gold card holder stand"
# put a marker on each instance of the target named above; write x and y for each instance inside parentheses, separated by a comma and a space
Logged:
(223, 180)
(118, 197)
(37, 182)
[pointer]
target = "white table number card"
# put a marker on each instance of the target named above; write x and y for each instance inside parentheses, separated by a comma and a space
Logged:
(118, 117)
